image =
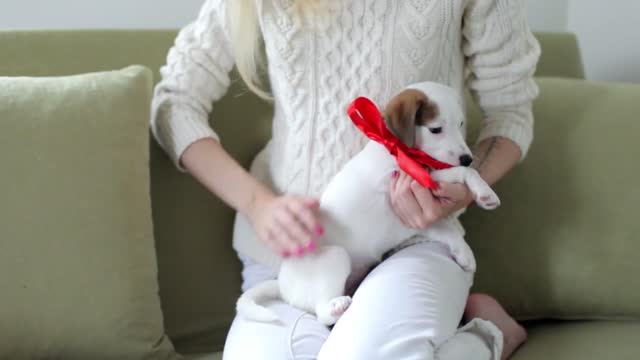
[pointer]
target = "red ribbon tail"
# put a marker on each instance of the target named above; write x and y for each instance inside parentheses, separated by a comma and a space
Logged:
(416, 171)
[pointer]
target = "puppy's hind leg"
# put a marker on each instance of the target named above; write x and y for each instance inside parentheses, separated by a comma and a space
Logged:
(329, 285)
(329, 312)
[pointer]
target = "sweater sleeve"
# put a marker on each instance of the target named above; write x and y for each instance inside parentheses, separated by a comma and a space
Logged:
(502, 55)
(195, 75)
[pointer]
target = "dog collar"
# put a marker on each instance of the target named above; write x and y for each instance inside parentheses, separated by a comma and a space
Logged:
(366, 116)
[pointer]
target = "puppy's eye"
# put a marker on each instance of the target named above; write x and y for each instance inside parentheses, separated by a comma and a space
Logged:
(437, 130)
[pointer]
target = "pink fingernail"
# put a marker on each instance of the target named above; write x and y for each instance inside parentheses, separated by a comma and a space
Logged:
(286, 254)
(319, 230)
(395, 174)
(300, 251)
(312, 246)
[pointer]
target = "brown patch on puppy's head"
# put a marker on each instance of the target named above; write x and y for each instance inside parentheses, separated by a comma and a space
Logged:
(405, 111)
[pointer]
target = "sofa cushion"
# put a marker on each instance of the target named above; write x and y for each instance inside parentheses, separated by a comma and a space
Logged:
(593, 340)
(198, 270)
(206, 356)
(564, 243)
(78, 270)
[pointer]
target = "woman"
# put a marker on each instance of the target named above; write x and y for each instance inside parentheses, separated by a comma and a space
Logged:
(321, 55)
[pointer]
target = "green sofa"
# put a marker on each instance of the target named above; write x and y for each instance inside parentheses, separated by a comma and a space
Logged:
(549, 254)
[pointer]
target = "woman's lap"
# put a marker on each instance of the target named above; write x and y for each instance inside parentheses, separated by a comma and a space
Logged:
(405, 308)
(299, 337)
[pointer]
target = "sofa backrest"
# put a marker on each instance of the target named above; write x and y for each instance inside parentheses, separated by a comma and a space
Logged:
(198, 272)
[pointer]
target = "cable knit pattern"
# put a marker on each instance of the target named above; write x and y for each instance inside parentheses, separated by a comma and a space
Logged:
(372, 48)
(288, 60)
(195, 76)
(351, 66)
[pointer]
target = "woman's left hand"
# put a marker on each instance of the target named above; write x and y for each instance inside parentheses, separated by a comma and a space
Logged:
(419, 207)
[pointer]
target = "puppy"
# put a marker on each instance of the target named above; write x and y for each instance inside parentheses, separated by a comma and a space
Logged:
(360, 223)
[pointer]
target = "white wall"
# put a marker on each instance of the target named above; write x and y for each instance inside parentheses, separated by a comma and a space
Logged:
(609, 36)
(607, 31)
(68, 14)
(548, 15)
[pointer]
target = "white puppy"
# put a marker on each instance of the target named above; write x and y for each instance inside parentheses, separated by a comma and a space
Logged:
(360, 223)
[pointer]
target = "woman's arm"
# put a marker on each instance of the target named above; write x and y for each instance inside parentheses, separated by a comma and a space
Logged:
(289, 224)
(502, 55)
(495, 157)
(219, 173)
(195, 77)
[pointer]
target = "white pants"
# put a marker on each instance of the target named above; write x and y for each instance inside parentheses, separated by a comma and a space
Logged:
(408, 308)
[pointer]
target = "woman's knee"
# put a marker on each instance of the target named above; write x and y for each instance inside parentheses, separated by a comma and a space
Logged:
(371, 344)
(300, 336)
(405, 308)
(306, 336)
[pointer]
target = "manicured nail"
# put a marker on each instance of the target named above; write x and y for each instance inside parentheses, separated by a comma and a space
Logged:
(286, 254)
(312, 246)
(395, 174)
(319, 230)
(313, 204)
(300, 251)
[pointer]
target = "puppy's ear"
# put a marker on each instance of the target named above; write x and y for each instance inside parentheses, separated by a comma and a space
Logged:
(402, 126)
(428, 111)
(407, 110)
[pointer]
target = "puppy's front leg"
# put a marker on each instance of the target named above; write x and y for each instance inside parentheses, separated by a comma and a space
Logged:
(483, 195)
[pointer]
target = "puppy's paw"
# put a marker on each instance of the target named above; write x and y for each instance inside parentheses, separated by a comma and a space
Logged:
(487, 199)
(340, 305)
(329, 313)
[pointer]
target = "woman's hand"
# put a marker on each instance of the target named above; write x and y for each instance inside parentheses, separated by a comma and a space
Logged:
(419, 207)
(289, 224)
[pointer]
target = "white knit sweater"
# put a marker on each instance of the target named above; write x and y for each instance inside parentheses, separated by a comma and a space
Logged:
(369, 48)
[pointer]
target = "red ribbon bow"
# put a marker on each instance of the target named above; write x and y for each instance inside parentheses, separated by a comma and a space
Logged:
(366, 116)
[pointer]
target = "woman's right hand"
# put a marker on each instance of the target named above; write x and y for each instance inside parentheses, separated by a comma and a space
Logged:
(289, 224)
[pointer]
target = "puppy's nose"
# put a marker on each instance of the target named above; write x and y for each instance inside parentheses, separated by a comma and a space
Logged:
(466, 160)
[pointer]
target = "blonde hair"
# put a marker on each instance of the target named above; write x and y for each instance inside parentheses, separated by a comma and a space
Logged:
(245, 35)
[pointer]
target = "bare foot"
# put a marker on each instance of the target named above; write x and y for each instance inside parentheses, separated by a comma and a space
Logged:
(487, 308)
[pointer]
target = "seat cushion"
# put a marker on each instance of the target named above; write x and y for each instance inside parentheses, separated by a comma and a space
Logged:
(208, 356)
(78, 271)
(564, 341)
(582, 341)
(565, 244)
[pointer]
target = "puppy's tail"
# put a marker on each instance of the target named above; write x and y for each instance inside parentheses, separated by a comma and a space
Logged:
(248, 305)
